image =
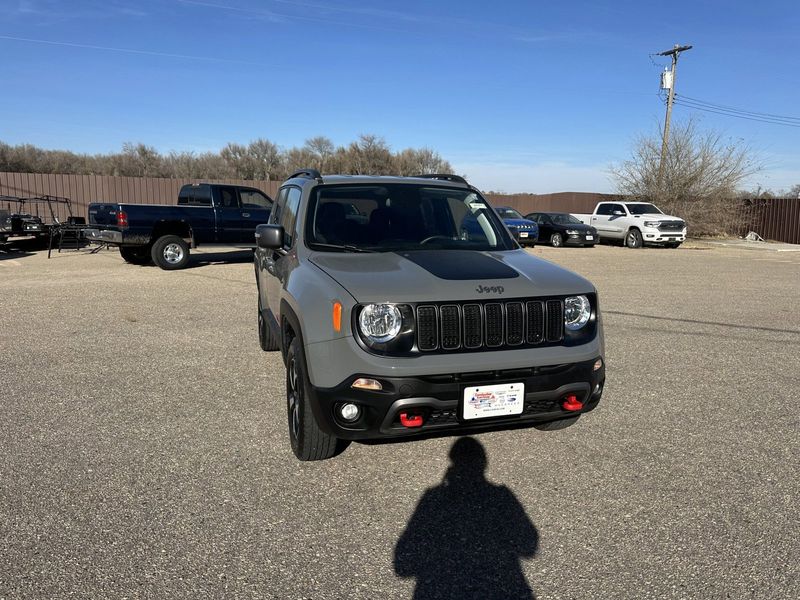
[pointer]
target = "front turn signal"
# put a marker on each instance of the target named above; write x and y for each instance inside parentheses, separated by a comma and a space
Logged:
(336, 316)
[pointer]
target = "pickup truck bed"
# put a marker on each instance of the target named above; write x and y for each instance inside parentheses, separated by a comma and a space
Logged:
(206, 214)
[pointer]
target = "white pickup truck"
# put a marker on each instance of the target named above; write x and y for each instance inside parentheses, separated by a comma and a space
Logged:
(635, 224)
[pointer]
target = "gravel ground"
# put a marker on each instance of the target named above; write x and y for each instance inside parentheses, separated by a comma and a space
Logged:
(144, 453)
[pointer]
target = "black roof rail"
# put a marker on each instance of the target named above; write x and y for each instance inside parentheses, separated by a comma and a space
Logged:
(308, 173)
(443, 176)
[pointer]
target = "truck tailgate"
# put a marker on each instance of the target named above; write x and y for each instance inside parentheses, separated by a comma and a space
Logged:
(103, 214)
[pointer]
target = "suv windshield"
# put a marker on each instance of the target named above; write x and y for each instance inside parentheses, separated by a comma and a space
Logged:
(388, 217)
(509, 213)
(643, 208)
(565, 219)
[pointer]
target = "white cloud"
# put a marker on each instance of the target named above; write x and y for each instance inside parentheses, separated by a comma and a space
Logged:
(537, 178)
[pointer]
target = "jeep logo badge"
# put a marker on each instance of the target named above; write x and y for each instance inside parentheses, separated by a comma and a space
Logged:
(496, 289)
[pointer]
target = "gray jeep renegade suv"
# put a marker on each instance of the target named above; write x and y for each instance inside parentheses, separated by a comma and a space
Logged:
(403, 306)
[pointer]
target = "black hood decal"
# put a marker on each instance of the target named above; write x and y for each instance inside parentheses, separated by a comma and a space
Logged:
(460, 264)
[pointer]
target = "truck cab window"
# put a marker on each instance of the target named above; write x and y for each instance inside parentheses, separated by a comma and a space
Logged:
(254, 199)
(228, 198)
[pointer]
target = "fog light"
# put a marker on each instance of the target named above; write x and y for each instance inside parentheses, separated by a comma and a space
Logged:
(598, 364)
(365, 383)
(349, 411)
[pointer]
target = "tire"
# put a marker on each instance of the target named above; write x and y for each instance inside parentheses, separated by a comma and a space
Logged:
(170, 252)
(266, 339)
(673, 245)
(633, 239)
(556, 241)
(136, 255)
(308, 441)
(556, 425)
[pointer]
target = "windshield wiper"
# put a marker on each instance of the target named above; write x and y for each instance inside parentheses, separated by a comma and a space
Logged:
(342, 247)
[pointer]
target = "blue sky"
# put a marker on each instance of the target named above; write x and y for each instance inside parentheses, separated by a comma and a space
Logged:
(519, 96)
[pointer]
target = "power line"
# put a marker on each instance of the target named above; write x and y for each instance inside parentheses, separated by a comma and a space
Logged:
(694, 106)
(738, 110)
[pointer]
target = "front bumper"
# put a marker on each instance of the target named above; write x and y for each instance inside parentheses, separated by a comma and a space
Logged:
(656, 236)
(109, 236)
(580, 239)
(439, 398)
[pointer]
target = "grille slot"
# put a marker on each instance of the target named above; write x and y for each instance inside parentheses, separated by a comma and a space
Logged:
(476, 326)
(472, 326)
(555, 320)
(427, 329)
(451, 327)
(494, 325)
(535, 329)
(515, 331)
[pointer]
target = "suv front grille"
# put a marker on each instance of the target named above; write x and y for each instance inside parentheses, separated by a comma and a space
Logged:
(490, 325)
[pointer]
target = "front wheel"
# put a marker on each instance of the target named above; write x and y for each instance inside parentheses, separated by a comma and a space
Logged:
(556, 241)
(135, 255)
(308, 441)
(633, 239)
(170, 252)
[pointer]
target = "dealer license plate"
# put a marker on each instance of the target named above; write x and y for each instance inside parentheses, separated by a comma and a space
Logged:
(523, 234)
(493, 400)
(589, 237)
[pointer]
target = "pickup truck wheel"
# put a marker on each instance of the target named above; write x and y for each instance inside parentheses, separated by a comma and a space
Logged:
(170, 252)
(556, 425)
(136, 255)
(308, 441)
(633, 239)
(266, 340)
(556, 240)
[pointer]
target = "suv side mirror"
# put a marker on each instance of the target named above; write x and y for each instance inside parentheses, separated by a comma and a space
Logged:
(269, 236)
(618, 213)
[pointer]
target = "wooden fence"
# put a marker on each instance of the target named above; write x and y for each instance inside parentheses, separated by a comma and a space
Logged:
(83, 189)
(775, 219)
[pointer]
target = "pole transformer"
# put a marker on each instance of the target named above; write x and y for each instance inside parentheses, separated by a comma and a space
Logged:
(674, 53)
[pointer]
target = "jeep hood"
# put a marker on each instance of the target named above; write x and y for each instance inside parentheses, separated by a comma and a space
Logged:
(447, 275)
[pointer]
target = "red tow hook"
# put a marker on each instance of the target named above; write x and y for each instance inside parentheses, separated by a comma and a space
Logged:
(411, 419)
(572, 403)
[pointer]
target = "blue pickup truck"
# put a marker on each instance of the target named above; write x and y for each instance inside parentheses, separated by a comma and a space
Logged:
(206, 214)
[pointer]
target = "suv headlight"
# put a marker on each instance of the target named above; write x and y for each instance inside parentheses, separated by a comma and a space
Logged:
(572, 232)
(577, 311)
(380, 323)
(652, 223)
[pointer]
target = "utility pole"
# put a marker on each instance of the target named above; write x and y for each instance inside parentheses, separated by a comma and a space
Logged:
(674, 54)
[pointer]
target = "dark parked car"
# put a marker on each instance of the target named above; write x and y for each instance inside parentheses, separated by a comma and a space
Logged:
(525, 231)
(206, 214)
(562, 228)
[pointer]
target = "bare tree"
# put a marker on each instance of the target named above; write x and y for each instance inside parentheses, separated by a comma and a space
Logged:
(321, 149)
(700, 177)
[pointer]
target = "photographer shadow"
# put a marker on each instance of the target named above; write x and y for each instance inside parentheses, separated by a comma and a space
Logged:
(467, 535)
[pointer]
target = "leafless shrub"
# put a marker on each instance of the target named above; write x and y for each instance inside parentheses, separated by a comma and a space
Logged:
(701, 174)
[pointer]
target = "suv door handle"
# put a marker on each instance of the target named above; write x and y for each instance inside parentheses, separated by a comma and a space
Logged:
(245, 214)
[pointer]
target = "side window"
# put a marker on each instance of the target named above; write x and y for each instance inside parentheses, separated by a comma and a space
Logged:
(277, 209)
(254, 199)
(288, 217)
(195, 195)
(619, 207)
(604, 209)
(228, 197)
